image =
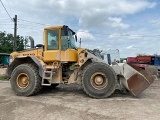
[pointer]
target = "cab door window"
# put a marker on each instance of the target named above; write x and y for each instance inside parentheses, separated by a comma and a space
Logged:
(68, 41)
(52, 40)
(64, 41)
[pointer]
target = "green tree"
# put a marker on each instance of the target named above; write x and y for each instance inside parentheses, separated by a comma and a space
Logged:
(6, 42)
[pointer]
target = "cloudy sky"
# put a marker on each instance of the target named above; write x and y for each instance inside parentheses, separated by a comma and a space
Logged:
(131, 26)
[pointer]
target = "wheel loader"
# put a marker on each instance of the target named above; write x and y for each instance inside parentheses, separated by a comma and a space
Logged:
(59, 61)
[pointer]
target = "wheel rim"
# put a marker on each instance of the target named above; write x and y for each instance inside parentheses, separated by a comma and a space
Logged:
(99, 80)
(22, 80)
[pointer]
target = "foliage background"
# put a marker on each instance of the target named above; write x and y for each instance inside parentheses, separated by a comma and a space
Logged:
(6, 42)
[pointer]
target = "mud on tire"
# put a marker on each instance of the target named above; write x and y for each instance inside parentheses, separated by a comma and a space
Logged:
(25, 80)
(98, 80)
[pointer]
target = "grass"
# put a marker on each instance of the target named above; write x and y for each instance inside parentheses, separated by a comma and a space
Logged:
(3, 79)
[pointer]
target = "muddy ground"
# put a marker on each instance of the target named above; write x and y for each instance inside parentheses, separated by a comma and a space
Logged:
(71, 103)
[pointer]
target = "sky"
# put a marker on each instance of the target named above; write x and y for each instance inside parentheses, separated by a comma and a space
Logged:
(130, 26)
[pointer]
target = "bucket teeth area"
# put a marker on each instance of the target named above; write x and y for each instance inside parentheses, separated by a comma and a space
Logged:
(136, 79)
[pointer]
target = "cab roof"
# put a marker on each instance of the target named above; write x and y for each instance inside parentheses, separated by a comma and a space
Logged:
(53, 27)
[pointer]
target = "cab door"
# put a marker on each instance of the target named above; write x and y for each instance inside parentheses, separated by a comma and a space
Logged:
(51, 39)
(68, 53)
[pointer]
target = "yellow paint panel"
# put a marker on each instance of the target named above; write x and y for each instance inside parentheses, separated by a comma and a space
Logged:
(69, 55)
(57, 78)
(36, 52)
(51, 55)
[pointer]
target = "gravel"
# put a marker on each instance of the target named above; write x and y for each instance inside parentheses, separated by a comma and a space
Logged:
(71, 103)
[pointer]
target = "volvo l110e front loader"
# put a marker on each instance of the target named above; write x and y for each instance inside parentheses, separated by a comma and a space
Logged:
(59, 61)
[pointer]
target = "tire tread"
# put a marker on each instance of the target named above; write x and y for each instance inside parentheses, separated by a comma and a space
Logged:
(37, 86)
(83, 78)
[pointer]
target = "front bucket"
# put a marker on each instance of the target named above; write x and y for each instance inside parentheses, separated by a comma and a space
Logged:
(138, 82)
(135, 79)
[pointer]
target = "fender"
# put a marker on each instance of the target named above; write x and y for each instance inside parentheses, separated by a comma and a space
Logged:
(24, 59)
(88, 57)
(85, 58)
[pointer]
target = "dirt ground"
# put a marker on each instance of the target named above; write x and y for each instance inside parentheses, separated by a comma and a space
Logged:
(71, 103)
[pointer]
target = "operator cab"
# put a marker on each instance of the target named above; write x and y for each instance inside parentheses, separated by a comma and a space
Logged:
(60, 37)
(59, 44)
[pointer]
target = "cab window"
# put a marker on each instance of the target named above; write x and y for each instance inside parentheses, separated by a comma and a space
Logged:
(52, 36)
(64, 41)
(67, 41)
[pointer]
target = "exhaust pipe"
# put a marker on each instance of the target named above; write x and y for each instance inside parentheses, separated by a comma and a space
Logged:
(32, 41)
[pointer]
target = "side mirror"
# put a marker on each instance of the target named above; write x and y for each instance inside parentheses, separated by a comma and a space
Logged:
(76, 37)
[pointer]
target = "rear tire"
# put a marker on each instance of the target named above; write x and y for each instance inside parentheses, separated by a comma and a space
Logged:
(98, 80)
(25, 80)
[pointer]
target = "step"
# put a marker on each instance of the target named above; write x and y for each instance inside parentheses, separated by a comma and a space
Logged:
(44, 84)
(48, 78)
(47, 71)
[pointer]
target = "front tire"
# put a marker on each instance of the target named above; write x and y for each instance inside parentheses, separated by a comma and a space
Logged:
(25, 80)
(98, 80)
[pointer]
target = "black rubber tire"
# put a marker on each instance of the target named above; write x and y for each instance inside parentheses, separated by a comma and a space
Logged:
(34, 85)
(107, 71)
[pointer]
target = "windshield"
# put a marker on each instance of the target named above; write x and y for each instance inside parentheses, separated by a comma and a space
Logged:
(68, 41)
